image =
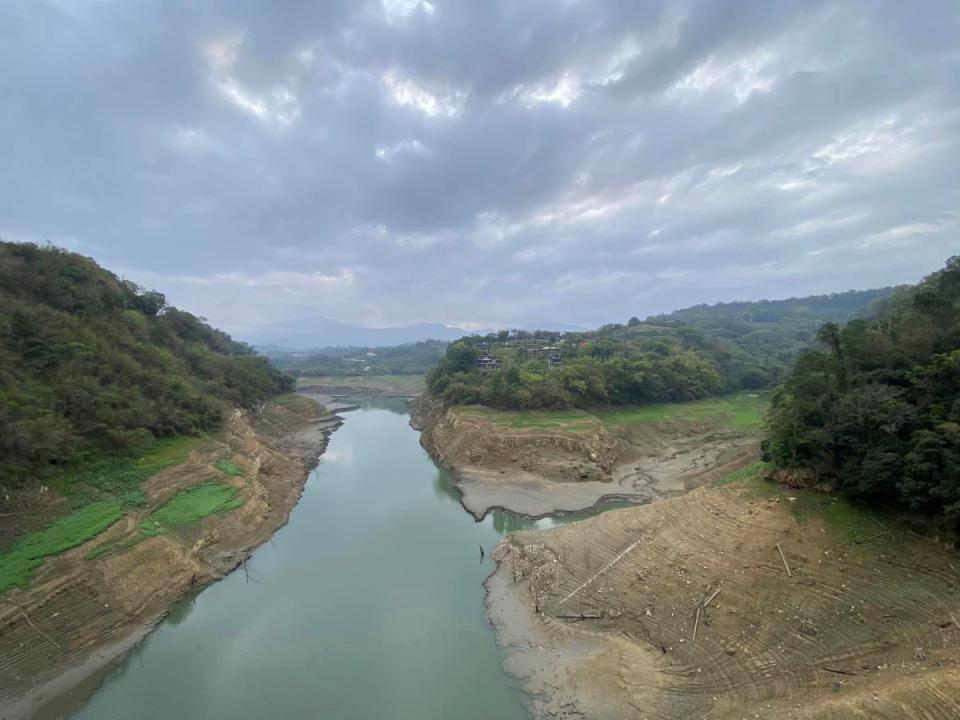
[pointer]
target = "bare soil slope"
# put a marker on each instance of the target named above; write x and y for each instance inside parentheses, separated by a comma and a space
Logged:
(90, 605)
(541, 463)
(684, 608)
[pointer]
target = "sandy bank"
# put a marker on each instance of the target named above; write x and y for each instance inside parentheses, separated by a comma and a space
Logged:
(87, 607)
(684, 608)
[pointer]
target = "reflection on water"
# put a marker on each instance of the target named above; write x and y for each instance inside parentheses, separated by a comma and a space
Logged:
(368, 604)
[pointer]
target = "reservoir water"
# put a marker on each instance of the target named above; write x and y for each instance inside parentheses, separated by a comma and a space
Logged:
(367, 605)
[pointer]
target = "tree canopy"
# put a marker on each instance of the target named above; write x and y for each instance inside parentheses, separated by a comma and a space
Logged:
(93, 363)
(690, 354)
(875, 411)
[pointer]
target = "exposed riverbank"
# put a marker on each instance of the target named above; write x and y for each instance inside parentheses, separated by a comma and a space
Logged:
(746, 600)
(367, 604)
(558, 463)
(87, 607)
(720, 595)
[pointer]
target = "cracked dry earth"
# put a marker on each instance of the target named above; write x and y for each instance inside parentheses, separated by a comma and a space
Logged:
(684, 609)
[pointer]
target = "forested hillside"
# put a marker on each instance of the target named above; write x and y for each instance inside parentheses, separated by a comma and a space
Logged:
(876, 412)
(91, 363)
(777, 329)
(691, 354)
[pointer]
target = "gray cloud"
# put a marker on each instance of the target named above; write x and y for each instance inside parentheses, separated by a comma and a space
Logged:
(483, 163)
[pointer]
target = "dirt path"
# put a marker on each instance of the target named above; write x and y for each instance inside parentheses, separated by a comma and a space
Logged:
(89, 606)
(685, 608)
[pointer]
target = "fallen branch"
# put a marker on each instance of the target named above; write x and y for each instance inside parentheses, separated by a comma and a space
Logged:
(710, 599)
(782, 557)
(580, 616)
(696, 624)
(838, 671)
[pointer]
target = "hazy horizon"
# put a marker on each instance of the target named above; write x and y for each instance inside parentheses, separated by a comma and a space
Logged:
(483, 165)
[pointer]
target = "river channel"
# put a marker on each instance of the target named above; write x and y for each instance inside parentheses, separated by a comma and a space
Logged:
(367, 605)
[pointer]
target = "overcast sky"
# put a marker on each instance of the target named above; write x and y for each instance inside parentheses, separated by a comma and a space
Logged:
(483, 163)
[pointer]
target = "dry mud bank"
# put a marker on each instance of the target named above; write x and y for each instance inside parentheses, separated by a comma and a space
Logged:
(684, 608)
(87, 607)
(540, 471)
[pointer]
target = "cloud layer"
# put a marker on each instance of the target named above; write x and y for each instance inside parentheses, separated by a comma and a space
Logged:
(483, 163)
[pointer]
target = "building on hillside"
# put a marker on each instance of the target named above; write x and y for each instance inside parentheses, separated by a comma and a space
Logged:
(554, 359)
(485, 362)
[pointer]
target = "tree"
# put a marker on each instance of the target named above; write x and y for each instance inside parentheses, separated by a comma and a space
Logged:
(877, 415)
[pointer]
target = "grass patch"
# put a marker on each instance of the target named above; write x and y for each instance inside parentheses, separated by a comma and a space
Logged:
(565, 420)
(101, 488)
(847, 522)
(191, 505)
(741, 412)
(228, 468)
(749, 472)
(18, 566)
(118, 477)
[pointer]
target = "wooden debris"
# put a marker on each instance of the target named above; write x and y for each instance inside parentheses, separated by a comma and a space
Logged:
(710, 599)
(783, 557)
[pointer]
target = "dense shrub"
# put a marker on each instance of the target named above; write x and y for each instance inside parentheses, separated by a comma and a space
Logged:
(876, 412)
(690, 354)
(89, 362)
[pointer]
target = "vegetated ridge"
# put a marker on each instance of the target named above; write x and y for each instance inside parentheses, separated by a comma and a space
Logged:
(875, 413)
(92, 364)
(691, 354)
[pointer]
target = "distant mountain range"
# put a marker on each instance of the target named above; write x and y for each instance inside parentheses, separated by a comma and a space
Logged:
(319, 332)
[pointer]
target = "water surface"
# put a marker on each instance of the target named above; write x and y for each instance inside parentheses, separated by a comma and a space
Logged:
(367, 605)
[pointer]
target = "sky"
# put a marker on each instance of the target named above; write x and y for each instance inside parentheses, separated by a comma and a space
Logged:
(483, 164)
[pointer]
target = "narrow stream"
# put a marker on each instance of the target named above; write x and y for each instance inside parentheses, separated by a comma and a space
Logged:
(368, 604)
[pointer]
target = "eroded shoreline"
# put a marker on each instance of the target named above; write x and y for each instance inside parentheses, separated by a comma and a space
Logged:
(85, 611)
(728, 600)
(684, 608)
(491, 470)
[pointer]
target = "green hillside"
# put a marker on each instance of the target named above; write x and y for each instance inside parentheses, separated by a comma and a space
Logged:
(777, 329)
(92, 364)
(875, 413)
(691, 354)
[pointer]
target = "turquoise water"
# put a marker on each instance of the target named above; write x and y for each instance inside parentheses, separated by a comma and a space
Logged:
(367, 605)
